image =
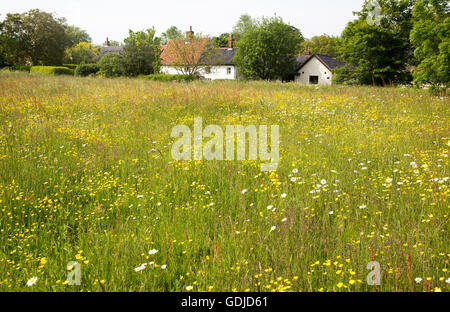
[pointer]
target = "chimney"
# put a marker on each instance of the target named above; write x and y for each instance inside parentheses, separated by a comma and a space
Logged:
(190, 33)
(307, 53)
(230, 42)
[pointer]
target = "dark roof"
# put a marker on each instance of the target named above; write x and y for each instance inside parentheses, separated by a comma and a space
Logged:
(223, 56)
(109, 49)
(329, 61)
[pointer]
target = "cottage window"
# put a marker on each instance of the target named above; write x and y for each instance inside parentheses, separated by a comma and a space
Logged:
(313, 79)
(228, 70)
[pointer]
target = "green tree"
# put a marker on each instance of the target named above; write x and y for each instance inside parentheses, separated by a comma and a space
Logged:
(141, 49)
(378, 53)
(2, 52)
(267, 50)
(172, 33)
(221, 41)
(76, 35)
(110, 65)
(244, 23)
(323, 44)
(431, 37)
(83, 52)
(34, 38)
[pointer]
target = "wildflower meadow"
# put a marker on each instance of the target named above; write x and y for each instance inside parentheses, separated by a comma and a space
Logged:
(89, 189)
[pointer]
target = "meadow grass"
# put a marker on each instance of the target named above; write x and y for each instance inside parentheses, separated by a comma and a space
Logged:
(86, 175)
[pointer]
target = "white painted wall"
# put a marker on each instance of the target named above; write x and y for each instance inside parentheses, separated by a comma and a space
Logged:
(217, 72)
(314, 68)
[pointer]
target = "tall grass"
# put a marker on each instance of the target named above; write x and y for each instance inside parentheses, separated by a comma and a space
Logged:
(86, 175)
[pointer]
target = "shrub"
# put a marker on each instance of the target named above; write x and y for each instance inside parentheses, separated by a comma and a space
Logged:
(109, 65)
(84, 70)
(164, 77)
(20, 68)
(71, 66)
(51, 70)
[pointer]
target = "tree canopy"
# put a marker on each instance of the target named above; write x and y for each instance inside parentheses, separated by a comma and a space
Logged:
(221, 41)
(244, 23)
(34, 38)
(76, 35)
(172, 33)
(322, 44)
(431, 37)
(141, 53)
(378, 54)
(83, 52)
(267, 50)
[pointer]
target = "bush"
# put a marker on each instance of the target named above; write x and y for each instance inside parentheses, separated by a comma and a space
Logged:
(164, 77)
(51, 70)
(109, 65)
(84, 70)
(71, 66)
(20, 68)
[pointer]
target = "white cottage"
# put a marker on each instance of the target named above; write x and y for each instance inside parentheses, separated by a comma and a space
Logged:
(220, 65)
(315, 68)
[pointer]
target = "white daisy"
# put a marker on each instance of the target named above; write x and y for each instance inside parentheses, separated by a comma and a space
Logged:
(152, 252)
(189, 288)
(418, 280)
(31, 281)
(140, 268)
(163, 267)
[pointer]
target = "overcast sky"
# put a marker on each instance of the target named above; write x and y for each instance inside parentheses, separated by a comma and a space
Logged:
(112, 19)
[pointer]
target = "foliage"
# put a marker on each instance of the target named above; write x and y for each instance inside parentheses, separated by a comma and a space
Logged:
(141, 49)
(165, 77)
(172, 33)
(76, 35)
(71, 66)
(244, 24)
(51, 70)
(34, 37)
(25, 68)
(83, 52)
(323, 44)
(431, 37)
(267, 51)
(110, 65)
(221, 41)
(84, 70)
(379, 54)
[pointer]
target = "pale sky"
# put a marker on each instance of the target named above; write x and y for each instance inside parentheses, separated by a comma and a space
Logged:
(112, 19)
